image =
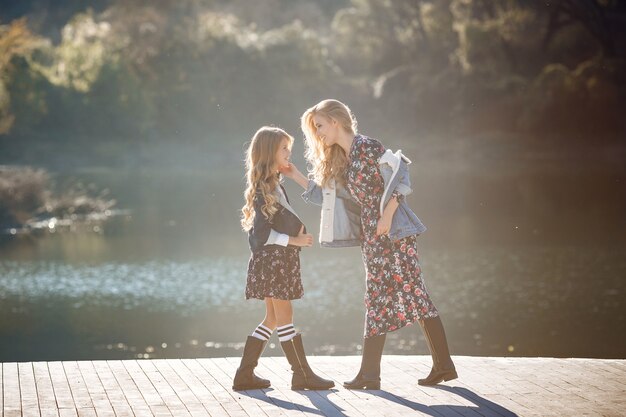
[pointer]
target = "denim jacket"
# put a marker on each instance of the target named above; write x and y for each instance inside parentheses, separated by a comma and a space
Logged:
(340, 224)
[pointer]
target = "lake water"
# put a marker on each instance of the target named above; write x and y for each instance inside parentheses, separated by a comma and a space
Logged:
(167, 281)
(532, 301)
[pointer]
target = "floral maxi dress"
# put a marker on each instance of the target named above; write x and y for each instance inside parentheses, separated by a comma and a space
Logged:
(395, 294)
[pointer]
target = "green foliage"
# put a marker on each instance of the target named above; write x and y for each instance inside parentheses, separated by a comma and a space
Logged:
(142, 72)
(15, 41)
(568, 100)
(84, 49)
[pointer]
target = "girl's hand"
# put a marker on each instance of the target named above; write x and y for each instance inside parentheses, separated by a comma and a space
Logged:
(303, 239)
(384, 225)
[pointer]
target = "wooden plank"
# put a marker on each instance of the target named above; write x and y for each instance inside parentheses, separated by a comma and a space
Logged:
(114, 391)
(68, 412)
(135, 397)
(204, 395)
(187, 377)
(172, 401)
(149, 392)
(87, 412)
(45, 392)
(97, 394)
(224, 397)
(82, 401)
(11, 385)
(28, 390)
(186, 393)
(62, 391)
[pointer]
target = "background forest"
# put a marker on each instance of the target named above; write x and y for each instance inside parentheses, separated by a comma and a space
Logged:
(177, 84)
(123, 76)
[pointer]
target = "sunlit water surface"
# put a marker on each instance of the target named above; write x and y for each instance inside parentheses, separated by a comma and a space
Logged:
(518, 301)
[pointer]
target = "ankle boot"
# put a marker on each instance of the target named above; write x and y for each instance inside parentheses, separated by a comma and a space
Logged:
(245, 378)
(443, 367)
(369, 374)
(303, 376)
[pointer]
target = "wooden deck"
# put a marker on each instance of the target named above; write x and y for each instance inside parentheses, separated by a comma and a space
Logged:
(201, 387)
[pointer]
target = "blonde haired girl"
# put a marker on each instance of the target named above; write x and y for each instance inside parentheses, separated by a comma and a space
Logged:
(275, 236)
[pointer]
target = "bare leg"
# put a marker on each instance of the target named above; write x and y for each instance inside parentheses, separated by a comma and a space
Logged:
(270, 314)
(283, 311)
(303, 376)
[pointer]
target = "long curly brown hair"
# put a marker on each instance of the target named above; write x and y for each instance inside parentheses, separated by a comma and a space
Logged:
(261, 172)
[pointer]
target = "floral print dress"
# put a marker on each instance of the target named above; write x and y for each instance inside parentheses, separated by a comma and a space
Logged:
(274, 272)
(395, 294)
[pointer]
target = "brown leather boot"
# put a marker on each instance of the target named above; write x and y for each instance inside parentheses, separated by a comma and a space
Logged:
(443, 367)
(369, 374)
(303, 376)
(245, 378)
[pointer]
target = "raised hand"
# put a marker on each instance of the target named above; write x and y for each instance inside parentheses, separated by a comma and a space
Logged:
(288, 171)
(294, 173)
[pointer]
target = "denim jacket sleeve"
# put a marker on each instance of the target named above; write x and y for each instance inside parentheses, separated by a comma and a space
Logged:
(404, 179)
(313, 194)
(396, 176)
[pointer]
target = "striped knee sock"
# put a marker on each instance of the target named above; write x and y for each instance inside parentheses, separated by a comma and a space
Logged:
(286, 332)
(262, 332)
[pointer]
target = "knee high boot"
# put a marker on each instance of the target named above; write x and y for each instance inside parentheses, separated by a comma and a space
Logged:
(369, 374)
(303, 376)
(245, 378)
(443, 367)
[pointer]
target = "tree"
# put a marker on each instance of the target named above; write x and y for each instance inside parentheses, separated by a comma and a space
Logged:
(15, 40)
(595, 16)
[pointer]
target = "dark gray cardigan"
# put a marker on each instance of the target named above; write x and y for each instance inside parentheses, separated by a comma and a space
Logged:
(283, 221)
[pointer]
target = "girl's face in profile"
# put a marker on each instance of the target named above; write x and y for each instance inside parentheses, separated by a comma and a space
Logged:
(326, 129)
(281, 161)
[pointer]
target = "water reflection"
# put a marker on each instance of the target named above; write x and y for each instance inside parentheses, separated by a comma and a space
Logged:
(544, 301)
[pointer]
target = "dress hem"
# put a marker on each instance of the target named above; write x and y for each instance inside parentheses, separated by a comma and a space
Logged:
(408, 323)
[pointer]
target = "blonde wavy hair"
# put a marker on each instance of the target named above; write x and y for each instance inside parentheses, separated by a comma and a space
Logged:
(261, 175)
(327, 162)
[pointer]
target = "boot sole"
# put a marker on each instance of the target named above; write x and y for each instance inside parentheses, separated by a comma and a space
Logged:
(444, 378)
(363, 387)
(249, 387)
(304, 387)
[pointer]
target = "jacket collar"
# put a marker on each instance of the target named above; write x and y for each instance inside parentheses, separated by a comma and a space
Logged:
(393, 159)
(282, 200)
